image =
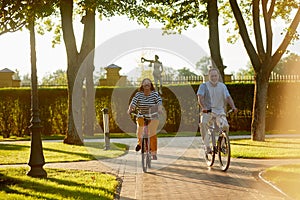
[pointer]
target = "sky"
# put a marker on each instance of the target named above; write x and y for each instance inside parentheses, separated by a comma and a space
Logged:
(15, 49)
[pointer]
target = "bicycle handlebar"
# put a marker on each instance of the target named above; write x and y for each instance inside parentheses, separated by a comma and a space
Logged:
(229, 111)
(148, 116)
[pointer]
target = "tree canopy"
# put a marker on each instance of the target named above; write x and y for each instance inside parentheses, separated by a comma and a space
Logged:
(260, 49)
(15, 14)
(288, 65)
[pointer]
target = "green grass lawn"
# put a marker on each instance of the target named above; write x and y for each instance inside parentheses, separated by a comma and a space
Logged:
(60, 184)
(18, 152)
(271, 148)
(116, 135)
(285, 177)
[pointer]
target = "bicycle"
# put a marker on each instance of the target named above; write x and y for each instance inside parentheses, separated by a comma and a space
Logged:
(221, 146)
(145, 148)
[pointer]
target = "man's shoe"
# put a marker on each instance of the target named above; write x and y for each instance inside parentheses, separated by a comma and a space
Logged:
(154, 157)
(137, 148)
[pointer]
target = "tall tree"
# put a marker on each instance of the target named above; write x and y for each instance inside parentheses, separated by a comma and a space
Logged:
(261, 53)
(214, 41)
(15, 15)
(74, 57)
(181, 15)
(87, 8)
(12, 16)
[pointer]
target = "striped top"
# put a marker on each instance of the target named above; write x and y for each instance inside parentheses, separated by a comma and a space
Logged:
(146, 104)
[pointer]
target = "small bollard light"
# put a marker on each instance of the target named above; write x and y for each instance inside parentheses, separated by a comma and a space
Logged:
(106, 128)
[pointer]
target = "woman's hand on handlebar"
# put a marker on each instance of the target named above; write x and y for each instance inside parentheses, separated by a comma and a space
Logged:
(130, 110)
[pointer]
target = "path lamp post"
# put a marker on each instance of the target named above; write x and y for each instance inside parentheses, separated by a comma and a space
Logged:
(36, 160)
(106, 128)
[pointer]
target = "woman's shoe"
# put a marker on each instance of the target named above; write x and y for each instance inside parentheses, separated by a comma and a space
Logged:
(154, 157)
(137, 148)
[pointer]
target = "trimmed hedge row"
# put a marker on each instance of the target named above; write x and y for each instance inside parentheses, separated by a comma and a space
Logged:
(180, 103)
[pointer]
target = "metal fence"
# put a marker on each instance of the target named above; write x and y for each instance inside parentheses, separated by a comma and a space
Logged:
(175, 80)
(273, 78)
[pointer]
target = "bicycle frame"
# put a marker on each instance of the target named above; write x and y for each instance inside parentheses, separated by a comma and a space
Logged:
(217, 124)
(221, 147)
(146, 153)
(145, 148)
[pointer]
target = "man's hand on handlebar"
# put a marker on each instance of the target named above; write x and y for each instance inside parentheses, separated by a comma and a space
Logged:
(235, 110)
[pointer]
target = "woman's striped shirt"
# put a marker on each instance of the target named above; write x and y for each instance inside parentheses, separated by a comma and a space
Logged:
(146, 104)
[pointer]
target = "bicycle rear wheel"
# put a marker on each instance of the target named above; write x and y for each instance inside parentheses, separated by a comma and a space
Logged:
(210, 156)
(145, 159)
(224, 151)
(149, 160)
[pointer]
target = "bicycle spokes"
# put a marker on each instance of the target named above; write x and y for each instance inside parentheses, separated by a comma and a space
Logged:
(146, 154)
(210, 156)
(224, 151)
(224, 146)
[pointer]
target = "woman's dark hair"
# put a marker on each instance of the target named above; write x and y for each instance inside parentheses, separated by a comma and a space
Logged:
(141, 88)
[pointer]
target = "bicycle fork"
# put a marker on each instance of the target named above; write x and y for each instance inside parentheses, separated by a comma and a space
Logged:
(146, 136)
(212, 134)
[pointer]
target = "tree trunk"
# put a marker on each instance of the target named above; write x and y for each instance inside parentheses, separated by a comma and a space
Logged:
(88, 46)
(73, 135)
(66, 7)
(89, 118)
(262, 59)
(259, 108)
(75, 60)
(213, 41)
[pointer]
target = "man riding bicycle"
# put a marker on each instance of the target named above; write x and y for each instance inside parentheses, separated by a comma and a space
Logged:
(212, 98)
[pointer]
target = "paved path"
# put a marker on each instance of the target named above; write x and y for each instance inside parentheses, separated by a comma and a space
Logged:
(181, 173)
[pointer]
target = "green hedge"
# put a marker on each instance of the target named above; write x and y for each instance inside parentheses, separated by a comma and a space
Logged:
(15, 111)
(180, 104)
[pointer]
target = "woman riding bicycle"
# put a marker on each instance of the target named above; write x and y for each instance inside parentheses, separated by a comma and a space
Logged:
(147, 101)
(212, 98)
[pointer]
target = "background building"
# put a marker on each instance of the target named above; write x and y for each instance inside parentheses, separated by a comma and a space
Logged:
(113, 77)
(7, 80)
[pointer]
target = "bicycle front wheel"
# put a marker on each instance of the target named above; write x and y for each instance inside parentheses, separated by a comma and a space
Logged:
(148, 153)
(210, 156)
(145, 157)
(224, 151)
